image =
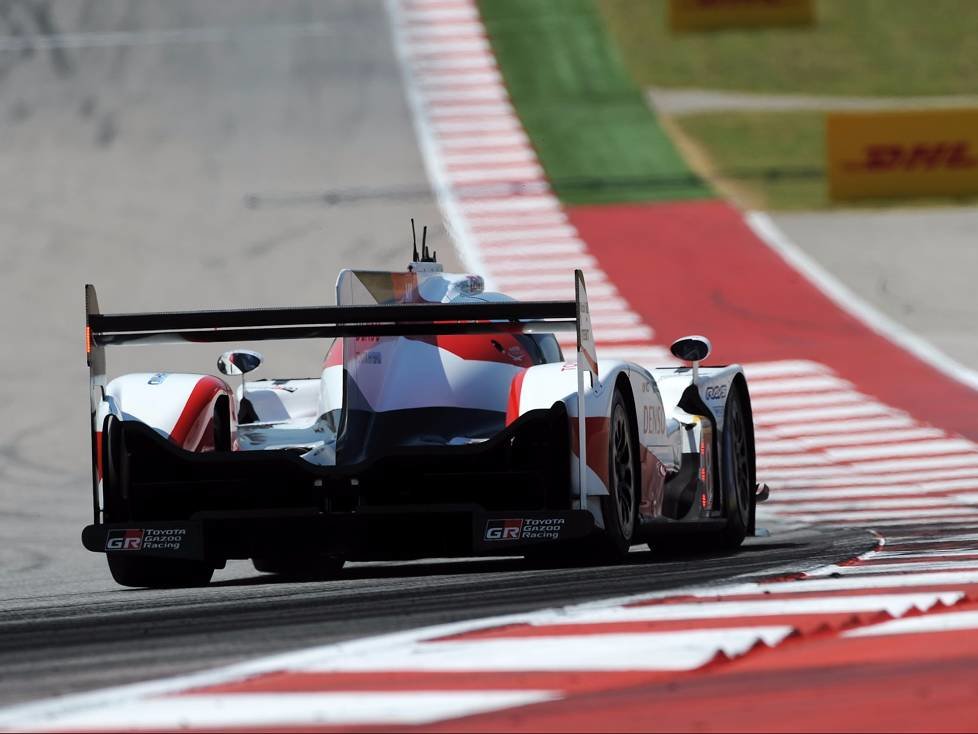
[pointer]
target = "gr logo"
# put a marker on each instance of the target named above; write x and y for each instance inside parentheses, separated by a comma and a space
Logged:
(503, 529)
(123, 540)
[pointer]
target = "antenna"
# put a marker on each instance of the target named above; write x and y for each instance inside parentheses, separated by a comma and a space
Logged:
(414, 239)
(427, 256)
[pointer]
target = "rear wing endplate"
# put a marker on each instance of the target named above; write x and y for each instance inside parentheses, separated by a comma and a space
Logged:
(587, 364)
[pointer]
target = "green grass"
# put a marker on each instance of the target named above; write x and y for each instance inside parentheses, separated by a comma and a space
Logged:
(587, 119)
(779, 158)
(857, 47)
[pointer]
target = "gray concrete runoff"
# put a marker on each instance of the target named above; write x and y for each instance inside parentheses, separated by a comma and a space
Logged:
(918, 266)
(686, 101)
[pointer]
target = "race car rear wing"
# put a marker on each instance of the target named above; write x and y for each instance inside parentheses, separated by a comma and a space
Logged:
(318, 322)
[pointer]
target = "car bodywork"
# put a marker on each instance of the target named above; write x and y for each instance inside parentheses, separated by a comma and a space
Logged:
(445, 422)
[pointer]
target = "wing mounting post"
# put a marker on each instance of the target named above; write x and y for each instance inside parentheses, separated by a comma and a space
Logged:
(587, 362)
(95, 356)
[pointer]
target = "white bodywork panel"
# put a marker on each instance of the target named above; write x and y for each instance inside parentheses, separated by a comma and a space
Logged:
(284, 400)
(436, 378)
(660, 422)
(156, 399)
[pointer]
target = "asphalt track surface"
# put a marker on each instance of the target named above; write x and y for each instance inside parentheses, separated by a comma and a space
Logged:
(176, 154)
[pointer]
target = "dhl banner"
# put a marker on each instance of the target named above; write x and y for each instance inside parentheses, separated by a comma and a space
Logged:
(701, 15)
(912, 153)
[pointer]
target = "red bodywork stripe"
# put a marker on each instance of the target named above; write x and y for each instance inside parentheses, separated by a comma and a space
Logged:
(596, 429)
(515, 390)
(334, 357)
(191, 431)
(98, 454)
(589, 359)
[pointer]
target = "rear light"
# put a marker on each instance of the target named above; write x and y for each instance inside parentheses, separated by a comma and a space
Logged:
(703, 464)
(88, 339)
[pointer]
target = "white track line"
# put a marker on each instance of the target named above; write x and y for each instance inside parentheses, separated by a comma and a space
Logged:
(761, 370)
(857, 504)
(781, 402)
(829, 497)
(673, 650)
(760, 386)
(857, 439)
(946, 622)
(784, 418)
(893, 604)
(763, 226)
(886, 478)
(274, 710)
(814, 585)
(862, 569)
(832, 427)
(903, 448)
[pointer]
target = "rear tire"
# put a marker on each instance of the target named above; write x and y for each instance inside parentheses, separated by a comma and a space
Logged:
(618, 507)
(317, 568)
(158, 573)
(736, 487)
(738, 471)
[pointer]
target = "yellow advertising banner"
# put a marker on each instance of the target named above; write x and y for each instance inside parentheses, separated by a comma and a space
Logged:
(905, 153)
(703, 15)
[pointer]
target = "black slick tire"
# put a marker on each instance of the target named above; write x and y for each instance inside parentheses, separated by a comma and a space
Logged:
(619, 506)
(738, 471)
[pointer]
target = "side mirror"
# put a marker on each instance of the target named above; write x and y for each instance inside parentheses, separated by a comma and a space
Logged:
(692, 349)
(238, 362)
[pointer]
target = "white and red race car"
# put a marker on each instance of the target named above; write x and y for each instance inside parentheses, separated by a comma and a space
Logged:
(446, 422)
